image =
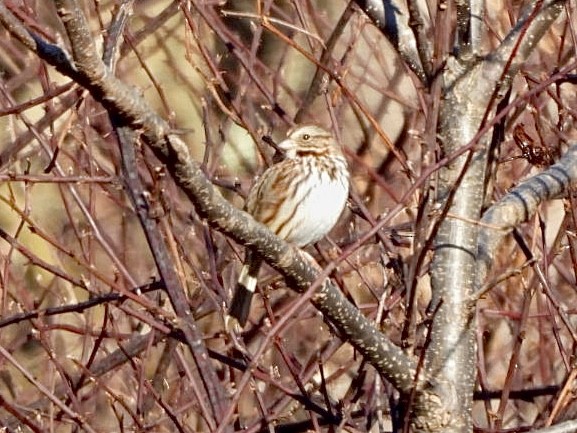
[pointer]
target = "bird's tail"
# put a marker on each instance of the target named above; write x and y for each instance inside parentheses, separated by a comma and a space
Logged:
(245, 288)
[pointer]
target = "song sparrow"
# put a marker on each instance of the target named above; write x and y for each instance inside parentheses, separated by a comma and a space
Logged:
(300, 199)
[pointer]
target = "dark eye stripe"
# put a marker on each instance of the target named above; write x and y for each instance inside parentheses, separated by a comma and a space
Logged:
(303, 153)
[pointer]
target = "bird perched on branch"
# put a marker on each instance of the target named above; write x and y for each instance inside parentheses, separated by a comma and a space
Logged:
(300, 199)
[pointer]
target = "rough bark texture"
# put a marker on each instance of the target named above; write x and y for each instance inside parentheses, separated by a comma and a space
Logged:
(436, 375)
(469, 101)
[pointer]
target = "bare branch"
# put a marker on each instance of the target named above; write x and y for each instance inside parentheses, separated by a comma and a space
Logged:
(477, 9)
(468, 103)
(390, 19)
(424, 43)
(519, 205)
(317, 81)
(130, 108)
(49, 394)
(94, 71)
(238, 70)
(564, 427)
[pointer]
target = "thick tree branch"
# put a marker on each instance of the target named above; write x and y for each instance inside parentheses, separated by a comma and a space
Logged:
(129, 107)
(519, 205)
(300, 274)
(476, 25)
(424, 44)
(392, 20)
(470, 96)
(95, 71)
(464, 94)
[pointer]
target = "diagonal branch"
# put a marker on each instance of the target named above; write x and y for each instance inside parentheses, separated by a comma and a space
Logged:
(132, 110)
(94, 70)
(471, 91)
(389, 18)
(519, 205)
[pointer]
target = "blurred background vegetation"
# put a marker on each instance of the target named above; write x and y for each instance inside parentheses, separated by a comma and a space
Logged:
(224, 79)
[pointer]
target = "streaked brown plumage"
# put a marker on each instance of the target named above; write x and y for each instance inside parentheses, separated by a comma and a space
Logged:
(300, 199)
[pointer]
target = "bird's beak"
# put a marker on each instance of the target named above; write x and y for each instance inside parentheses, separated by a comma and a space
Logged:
(281, 148)
(285, 145)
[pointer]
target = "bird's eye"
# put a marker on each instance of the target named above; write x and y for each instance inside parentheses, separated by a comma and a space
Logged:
(306, 137)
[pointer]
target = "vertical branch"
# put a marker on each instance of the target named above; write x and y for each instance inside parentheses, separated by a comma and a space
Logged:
(476, 32)
(86, 61)
(424, 45)
(467, 103)
(463, 27)
(389, 19)
(317, 81)
(166, 268)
